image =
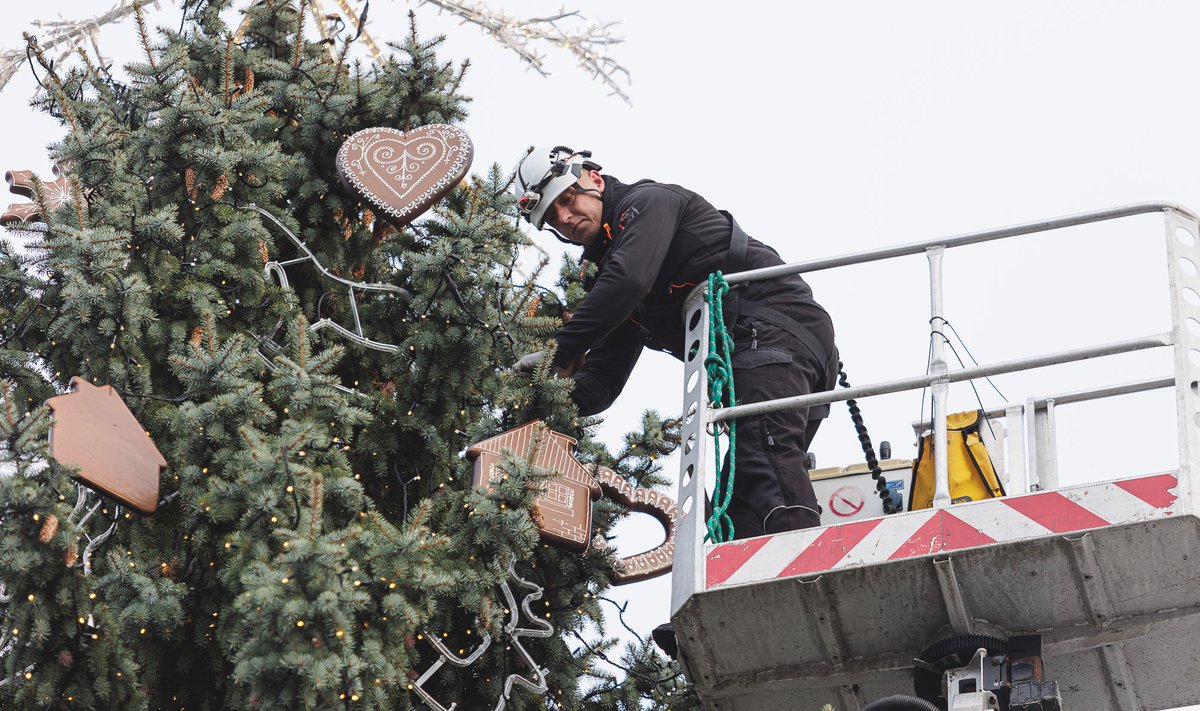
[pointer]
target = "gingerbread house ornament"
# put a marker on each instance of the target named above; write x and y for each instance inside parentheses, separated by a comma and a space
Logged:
(563, 512)
(95, 433)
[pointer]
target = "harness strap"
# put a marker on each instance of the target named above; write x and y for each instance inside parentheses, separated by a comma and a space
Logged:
(735, 261)
(739, 242)
(736, 306)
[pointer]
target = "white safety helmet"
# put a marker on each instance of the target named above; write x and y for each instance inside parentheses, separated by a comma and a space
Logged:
(543, 175)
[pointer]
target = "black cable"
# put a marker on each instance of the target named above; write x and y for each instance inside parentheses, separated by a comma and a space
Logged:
(864, 439)
(973, 359)
(978, 397)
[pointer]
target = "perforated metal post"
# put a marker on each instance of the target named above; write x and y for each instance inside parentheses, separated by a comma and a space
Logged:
(687, 575)
(1183, 268)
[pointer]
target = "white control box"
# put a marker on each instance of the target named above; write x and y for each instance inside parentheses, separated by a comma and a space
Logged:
(848, 494)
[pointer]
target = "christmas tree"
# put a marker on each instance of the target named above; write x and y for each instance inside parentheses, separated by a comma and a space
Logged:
(317, 543)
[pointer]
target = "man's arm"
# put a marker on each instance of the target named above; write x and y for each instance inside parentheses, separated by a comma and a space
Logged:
(640, 242)
(606, 370)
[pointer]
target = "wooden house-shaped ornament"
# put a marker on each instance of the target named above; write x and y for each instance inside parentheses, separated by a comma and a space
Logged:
(563, 512)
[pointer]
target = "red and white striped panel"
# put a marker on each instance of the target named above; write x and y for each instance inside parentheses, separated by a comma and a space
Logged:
(932, 531)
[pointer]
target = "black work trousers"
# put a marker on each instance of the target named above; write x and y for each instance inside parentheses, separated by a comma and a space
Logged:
(771, 489)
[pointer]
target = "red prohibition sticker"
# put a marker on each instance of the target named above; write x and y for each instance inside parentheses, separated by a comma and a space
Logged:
(846, 501)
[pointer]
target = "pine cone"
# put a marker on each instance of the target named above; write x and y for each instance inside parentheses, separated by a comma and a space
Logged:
(220, 188)
(189, 183)
(197, 337)
(49, 528)
(71, 555)
(65, 658)
(534, 305)
(262, 251)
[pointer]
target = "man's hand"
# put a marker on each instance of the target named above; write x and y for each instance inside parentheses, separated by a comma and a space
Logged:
(526, 364)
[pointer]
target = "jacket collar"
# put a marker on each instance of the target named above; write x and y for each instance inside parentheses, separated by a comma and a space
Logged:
(614, 190)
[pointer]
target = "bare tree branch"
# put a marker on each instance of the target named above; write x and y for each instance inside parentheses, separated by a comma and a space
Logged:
(588, 40)
(71, 33)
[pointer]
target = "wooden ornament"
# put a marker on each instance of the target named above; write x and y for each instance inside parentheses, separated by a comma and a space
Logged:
(401, 174)
(563, 513)
(95, 433)
(20, 182)
(658, 560)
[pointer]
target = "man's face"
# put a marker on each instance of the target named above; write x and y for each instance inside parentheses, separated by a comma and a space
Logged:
(575, 213)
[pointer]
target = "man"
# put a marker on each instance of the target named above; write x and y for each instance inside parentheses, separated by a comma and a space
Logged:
(652, 244)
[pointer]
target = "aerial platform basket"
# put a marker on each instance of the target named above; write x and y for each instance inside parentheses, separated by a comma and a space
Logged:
(1107, 573)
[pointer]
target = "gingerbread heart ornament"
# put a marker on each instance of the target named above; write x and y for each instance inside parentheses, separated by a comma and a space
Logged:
(402, 173)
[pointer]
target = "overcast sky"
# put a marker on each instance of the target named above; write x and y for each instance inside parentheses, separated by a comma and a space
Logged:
(829, 128)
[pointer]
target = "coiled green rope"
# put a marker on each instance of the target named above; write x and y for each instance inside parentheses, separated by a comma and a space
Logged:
(719, 367)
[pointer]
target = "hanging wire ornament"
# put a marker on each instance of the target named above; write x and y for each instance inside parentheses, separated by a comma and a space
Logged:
(87, 504)
(277, 270)
(537, 628)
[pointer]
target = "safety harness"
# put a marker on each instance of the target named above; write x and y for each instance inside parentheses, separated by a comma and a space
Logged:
(725, 307)
(735, 261)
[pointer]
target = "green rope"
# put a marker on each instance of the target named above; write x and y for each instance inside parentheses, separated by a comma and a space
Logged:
(719, 367)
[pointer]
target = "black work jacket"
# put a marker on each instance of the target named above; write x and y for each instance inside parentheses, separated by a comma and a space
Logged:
(664, 241)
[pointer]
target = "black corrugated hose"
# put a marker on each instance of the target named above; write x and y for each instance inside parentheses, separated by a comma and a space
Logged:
(864, 440)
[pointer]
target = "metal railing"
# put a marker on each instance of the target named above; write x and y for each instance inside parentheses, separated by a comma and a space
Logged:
(1030, 452)
(1183, 253)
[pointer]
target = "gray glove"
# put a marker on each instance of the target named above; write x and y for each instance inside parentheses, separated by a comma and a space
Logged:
(527, 363)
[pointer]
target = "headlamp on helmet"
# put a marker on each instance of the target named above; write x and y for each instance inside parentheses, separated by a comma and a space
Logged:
(543, 175)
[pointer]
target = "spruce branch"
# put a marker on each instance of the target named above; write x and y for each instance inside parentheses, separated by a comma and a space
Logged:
(143, 34)
(34, 48)
(227, 71)
(299, 34)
